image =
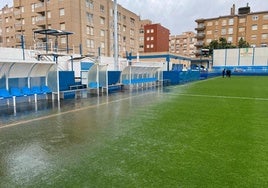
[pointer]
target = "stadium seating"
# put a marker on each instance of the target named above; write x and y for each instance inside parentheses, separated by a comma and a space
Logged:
(37, 90)
(14, 91)
(26, 91)
(4, 94)
(45, 89)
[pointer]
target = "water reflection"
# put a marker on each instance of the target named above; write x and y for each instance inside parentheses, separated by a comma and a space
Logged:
(43, 142)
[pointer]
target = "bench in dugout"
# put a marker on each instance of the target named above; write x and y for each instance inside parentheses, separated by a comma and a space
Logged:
(15, 93)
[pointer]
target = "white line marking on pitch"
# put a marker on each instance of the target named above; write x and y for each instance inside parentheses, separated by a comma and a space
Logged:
(220, 96)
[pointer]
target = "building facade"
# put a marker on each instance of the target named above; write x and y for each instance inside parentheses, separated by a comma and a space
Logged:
(7, 30)
(156, 38)
(250, 26)
(183, 44)
(141, 34)
(90, 21)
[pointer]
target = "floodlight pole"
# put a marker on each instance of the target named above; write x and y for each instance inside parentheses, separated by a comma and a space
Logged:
(115, 37)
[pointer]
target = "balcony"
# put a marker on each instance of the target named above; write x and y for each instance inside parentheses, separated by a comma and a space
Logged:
(17, 14)
(40, 7)
(200, 28)
(19, 27)
(18, 39)
(40, 20)
(200, 36)
(199, 44)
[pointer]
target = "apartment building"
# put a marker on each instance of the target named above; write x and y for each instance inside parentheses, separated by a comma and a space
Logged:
(141, 34)
(250, 26)
(90, 21)
(156, 38)
(7, 31)
(183, 44)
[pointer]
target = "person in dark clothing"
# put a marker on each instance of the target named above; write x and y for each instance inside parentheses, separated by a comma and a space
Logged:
(228, 73)
(223, 73)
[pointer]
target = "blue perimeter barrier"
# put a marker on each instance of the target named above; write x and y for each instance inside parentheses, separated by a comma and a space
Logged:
(181, 77)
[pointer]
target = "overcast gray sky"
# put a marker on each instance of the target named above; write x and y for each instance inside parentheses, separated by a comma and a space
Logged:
(180, 15)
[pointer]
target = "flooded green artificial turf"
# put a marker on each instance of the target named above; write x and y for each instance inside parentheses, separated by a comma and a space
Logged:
(212, 133)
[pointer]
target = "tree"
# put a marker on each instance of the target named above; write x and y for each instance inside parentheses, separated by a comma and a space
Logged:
(242, 43)
(222, 43)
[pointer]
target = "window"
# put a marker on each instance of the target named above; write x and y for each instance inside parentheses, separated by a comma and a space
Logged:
(119, 17)
(209, 32)
(62, 26)
(152, 45)
(148, 38)
(241, 29)
(264, 36)
(6, 19)
(132, 32)
(63, 40)
(253, 37)
(231, 21)
(209, 23)
(48, 14)
(124, 28)
(147, 46)
(90, 18)
(147, 31)
(33, 20)
(265, 17)
(209, 40)
(62, 12)
(102, 33)
(111, 12)
(152, 30)
(102, 44)
(32, 6)
(89, 4)
(102, 21)
(102, 8)
(265, 26)
(223, 23)
(90, 43)
(132, 42)
(254, 27)
(230, 31)
(223, 31)
(255, 17)
(152, 38)
(22, 9)
(90, 30)
(132, 22)
(230, 39)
